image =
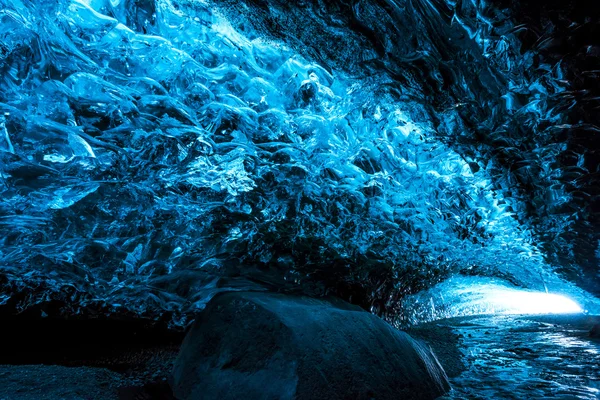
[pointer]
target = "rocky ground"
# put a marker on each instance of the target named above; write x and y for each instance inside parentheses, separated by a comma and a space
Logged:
(97, 359)
(500, 357)
(50, 382)
(85, 359)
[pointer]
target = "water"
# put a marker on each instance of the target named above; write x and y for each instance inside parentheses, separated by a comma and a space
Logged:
(533, 357)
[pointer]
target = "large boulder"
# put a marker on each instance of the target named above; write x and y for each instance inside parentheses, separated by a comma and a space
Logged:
(253, 345)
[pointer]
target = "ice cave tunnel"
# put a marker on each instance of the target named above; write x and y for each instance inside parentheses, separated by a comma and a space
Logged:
(311, 199)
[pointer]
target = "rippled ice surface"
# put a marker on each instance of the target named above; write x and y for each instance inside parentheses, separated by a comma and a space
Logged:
(150, 154)
(512, 357)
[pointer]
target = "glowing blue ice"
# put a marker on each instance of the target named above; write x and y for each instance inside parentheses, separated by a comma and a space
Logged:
(147, 149)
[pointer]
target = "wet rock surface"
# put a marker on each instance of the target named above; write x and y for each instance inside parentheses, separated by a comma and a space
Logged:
(444, 343)
(271, 346)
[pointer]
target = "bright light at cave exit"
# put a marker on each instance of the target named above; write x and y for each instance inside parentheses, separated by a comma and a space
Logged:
(511, 301)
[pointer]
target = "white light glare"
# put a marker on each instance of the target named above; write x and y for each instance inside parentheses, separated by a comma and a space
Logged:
(511, 301)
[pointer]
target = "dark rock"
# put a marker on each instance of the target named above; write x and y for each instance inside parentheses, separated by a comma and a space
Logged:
(270, 346)
(595, 331)
(444, 343)
(520, 350)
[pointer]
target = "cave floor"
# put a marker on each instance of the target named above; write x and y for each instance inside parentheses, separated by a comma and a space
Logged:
(525, 357)
(485, 357)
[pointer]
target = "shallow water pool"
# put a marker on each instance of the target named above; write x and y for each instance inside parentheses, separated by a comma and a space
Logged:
(531, 357)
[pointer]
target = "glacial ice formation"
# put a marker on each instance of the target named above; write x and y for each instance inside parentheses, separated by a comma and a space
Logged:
(153, 153)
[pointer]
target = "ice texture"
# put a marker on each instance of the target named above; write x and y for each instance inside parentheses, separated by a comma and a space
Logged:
(460, 296)
(151, 154)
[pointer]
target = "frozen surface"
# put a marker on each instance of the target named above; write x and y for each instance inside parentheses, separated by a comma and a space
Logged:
(511, 357)
(151, 155)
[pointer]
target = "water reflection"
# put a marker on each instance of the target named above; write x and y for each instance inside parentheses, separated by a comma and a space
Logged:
(534, 357)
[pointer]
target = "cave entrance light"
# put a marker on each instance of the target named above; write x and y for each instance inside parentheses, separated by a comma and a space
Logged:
(514, 301)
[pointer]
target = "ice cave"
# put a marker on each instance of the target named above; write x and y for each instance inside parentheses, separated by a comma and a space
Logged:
(299, 200)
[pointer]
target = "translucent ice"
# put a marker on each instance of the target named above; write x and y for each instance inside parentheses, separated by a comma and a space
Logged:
(149, 150)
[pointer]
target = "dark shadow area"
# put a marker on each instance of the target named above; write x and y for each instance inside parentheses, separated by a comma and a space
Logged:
(133, 357)
(113, 344)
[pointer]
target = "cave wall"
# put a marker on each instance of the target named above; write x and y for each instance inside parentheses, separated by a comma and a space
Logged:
(155, 153)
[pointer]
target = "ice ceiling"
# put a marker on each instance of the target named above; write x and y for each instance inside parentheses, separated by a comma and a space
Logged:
(155, 152)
